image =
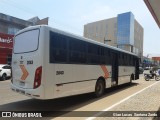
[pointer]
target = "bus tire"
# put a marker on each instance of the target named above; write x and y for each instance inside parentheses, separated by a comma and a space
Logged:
(99, 88)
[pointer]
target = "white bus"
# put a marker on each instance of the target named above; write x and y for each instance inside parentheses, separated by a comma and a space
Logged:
(48, 63)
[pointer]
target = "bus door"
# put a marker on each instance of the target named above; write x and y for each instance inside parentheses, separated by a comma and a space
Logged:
(114, 63)
(137, 68)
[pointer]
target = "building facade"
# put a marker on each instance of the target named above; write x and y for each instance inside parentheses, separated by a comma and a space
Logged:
(6, 45)
(156, 60)
(9, 26)
(122, 31)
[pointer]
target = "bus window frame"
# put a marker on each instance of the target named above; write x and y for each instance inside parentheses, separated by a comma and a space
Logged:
(24, 32)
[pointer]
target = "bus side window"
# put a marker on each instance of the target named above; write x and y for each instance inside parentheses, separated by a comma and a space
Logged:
(130, 60)
(107, 56)
(77, 51)
(125, 60)
(58, 47)
(119, 59)
(92, 51)
(102, 56)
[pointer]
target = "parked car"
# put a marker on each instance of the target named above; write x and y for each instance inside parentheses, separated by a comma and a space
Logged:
(141, 70)
(146, 68)
(5, 71)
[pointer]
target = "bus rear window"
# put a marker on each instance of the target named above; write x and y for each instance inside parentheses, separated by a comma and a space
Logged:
(26, 41)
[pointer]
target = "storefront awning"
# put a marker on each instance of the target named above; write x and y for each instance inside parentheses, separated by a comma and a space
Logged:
(154, 8)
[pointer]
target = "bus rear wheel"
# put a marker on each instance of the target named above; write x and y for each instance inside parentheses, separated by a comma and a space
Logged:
(99, 88)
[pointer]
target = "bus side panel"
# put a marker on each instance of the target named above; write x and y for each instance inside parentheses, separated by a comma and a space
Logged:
(49, 79)
(125, 74)
(48, 69)
(77, 79)
(108, 82)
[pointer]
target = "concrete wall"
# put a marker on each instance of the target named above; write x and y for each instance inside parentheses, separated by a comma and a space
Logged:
(107, 30)
(138, 38)
(102, 31)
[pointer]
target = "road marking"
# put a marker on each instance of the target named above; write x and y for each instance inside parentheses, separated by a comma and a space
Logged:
(103, 111)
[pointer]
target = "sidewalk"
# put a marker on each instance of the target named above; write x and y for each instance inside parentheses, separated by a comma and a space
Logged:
(147, 100)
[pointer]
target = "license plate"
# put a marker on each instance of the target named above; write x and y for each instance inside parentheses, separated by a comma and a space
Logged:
(21, 83)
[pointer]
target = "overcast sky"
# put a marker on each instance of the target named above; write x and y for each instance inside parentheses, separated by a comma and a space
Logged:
(71, 15)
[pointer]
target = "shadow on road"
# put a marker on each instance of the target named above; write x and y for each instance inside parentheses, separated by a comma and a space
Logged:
(8, 78)
(56, 106)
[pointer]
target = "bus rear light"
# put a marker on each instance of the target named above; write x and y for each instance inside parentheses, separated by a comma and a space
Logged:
(37, 78)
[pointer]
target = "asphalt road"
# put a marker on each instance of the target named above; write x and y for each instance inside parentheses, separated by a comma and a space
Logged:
(11, 101)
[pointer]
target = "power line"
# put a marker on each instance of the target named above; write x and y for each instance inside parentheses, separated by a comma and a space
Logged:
(25, 9)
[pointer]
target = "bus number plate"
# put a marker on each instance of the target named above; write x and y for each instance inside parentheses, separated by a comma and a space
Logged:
(59, 72)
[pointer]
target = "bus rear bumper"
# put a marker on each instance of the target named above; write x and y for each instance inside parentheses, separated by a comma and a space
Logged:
(37, 93)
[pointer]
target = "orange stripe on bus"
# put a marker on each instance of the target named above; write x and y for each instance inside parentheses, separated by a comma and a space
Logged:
(24, 71)
(106, 73)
